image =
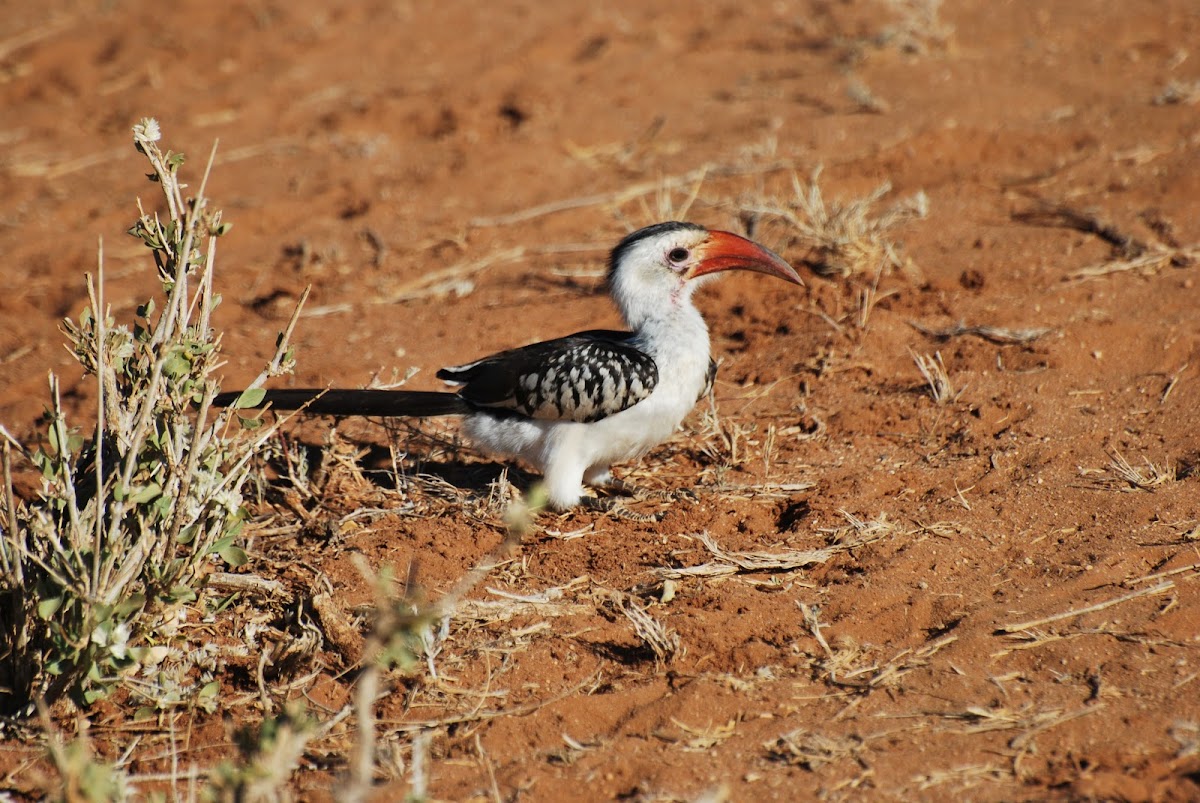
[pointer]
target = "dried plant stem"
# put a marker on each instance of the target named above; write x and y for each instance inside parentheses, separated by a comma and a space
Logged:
(275, 366)
(10, 558)
(362, 765)
(1161, 588)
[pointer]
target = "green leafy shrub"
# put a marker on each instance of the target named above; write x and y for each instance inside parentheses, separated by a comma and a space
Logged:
(128, 518)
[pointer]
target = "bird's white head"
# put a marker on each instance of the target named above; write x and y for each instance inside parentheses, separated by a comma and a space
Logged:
(656, 269)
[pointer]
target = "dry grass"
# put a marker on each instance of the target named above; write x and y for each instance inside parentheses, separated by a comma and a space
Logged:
(658, 187)
(1159, 588)
(728, 562)
(1178, 93)
(846, 238)
(937, 379)
(1121, 475)
(918, 28)
(813, 751)
(660, 639)
(962, 778)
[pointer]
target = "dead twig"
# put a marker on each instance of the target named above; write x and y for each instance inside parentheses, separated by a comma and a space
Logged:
(995, 334)
(731, 562)
(1147, 263)
(248, 584)
(1161, 588)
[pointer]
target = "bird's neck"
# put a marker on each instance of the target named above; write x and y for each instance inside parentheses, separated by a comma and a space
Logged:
(674, 332)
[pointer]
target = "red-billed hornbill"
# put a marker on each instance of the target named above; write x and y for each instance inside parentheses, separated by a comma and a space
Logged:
(573, 406)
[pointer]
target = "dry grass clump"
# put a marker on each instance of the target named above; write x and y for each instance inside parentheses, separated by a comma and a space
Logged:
(1121, 475)
(1178, 93)
(919, 28)
(846, 238)
(937, 379)
(659, 638)
(812, 751)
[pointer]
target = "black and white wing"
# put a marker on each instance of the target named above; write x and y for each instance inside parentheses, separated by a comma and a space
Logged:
(583, 377)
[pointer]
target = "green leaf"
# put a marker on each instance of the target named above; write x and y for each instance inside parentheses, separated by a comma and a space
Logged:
(221, 543)
(187, 534)
(250, 398)
(176, 366)
(224, 603)
(130, 606)
(146, 493)
(144, 713)
(48, 607)
(234, 555)
(210, 689)
(236, 522)
(163, 505)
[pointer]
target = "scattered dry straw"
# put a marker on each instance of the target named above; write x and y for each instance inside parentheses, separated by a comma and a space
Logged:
(728, 562)
(1121, 475)
(662, 640)
(933, 371)
(846, 238)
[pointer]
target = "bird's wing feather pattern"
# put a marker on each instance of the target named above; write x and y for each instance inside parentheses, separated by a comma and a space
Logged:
(583, 377)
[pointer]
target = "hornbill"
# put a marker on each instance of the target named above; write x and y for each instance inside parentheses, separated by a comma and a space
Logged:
(573, 406)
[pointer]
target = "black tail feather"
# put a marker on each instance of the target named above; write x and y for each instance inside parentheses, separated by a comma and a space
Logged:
(384, 403)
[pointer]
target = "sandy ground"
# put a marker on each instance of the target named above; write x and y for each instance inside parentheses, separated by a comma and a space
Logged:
(1007, 613)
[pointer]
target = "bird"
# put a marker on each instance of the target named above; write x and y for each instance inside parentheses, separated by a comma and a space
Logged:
(573, 406)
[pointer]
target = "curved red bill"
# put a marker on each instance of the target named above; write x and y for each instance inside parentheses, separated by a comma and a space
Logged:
(724, 250)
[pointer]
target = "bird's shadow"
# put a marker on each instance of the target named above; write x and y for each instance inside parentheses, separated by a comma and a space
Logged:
(380, 464)
(470, 476)
(624, 654)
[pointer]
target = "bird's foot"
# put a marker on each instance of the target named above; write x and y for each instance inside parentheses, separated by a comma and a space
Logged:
(618, 508)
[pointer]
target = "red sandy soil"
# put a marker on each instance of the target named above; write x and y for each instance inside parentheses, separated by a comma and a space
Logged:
(364, 147)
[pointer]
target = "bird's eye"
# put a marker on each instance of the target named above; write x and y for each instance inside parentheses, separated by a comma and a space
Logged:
(678, 255)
